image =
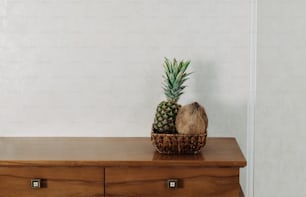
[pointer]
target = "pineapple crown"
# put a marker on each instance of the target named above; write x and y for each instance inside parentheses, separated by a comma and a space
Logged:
(174, 77)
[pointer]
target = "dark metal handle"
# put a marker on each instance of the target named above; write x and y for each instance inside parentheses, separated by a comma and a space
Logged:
(172, 183)
(36, 183)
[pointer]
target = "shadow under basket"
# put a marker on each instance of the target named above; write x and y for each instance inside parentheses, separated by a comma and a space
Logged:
(178, 143)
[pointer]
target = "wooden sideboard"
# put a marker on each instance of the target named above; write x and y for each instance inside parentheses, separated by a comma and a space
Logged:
(120, 167)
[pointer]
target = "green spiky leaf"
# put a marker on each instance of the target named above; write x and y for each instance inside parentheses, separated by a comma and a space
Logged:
(174, 77)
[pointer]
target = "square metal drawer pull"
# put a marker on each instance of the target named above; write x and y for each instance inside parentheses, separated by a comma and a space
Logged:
(35, 183)
(172, 183)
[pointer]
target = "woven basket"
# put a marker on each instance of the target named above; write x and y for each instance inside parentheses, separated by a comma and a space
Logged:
(178, 143)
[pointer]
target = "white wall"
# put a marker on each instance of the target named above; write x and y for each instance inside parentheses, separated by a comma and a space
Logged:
(280, 136)
(94, 67)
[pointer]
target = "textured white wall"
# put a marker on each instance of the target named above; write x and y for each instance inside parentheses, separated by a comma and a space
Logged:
(94, 67)
(280, 136)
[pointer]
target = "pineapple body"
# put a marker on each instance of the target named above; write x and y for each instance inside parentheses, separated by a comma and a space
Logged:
(165, 117)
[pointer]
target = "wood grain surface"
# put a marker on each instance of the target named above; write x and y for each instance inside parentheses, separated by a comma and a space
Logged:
(152, 182)
(123, 167)
(112, 151)
(57, 181)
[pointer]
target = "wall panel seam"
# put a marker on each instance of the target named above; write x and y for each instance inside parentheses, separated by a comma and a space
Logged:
(252, 100)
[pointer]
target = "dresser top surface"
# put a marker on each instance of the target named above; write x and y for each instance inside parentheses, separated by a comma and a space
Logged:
(132, 151)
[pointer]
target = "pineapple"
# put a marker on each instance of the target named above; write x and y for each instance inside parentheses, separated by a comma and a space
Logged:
(174, 77)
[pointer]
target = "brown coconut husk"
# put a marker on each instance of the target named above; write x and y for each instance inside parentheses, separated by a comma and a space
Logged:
(191, 119)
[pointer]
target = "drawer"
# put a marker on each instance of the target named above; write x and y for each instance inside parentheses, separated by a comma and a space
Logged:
(154, 181)
(55, 181)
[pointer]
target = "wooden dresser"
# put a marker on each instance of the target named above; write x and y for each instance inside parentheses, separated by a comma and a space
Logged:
(120, 167)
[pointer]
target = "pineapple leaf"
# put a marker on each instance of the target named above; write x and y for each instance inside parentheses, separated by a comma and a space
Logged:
(185, 75)
(179, 76)
(167, 78)
(182, 81)
(182, 88)
(174, 62)
(180, 66)
(185, 66)
(171, 78)
(175, 69)
(169, 64)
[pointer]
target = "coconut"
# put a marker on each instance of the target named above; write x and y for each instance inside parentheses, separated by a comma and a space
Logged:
(191, 119)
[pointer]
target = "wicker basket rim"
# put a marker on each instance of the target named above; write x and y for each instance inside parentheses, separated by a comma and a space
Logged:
(178, 134)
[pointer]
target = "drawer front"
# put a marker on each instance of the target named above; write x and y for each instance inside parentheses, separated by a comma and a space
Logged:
(195, 182)
(55, 181)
